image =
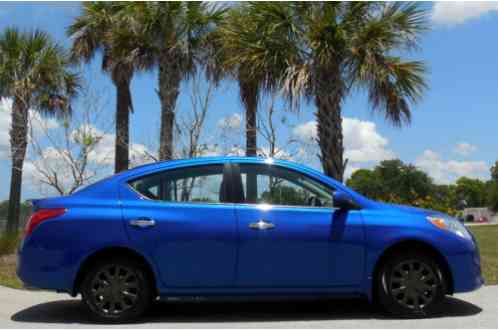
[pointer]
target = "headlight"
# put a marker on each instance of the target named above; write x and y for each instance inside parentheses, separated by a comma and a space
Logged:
(452, 225)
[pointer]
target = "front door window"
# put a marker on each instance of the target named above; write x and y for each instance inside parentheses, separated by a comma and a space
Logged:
(266, 184)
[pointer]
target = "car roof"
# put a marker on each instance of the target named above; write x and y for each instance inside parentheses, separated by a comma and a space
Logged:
(202, 160)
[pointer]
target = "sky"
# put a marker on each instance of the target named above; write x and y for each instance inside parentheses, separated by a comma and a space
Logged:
(452, 134)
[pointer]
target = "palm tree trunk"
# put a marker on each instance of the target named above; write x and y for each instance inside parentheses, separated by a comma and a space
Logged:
(169, 86)
(18, 143)
(249, 96)
(123, 108)
(330, 138)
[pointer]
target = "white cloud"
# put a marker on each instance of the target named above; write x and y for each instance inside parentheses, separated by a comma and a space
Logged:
(233, 121)
(214, 150)
(362, 141)
(452, 13)
(306, 132)
(464, 149)
(447, 171)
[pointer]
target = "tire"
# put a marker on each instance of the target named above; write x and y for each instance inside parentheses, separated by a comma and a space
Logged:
(411, 285)
(116, 291)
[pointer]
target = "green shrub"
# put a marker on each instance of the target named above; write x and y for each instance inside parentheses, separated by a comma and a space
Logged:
(9, 243)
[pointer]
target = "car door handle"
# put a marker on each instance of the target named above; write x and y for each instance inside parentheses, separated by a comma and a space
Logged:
(142, 222)
(261, 225)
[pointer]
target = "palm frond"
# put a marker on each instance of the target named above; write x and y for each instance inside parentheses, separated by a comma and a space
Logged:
(37, 71)
(393, 85)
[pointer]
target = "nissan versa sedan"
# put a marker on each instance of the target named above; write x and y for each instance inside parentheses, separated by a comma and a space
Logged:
(241, 227)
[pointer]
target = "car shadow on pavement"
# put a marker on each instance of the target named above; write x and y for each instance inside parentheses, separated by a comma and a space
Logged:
(73, 311)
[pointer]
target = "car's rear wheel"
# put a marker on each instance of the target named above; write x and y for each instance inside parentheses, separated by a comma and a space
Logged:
(411, 285)
(116, 291)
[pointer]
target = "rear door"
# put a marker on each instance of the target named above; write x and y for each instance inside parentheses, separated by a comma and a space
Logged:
(291, 236)
(183, 220)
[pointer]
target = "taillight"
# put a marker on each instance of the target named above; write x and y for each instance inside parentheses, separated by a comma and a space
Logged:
(40, 216)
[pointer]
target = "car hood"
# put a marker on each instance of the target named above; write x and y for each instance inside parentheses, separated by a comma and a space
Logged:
(411, 210)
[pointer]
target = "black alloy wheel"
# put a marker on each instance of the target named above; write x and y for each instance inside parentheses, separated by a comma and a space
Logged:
(117, 292)
(115, 289)
(411, 285)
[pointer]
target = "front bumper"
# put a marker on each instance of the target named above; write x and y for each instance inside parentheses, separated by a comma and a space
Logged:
(466, 270)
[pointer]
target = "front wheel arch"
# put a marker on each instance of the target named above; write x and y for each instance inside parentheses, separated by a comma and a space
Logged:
(412, 245)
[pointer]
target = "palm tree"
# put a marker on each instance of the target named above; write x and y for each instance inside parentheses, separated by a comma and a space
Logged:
(321, 51)
(34, 73)
(174, 34)
(96, 30)
(253, 75)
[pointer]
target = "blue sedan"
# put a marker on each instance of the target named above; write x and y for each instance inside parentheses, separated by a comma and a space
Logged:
(240, 227)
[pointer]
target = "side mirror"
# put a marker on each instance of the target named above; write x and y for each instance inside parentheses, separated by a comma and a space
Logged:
(343, 201)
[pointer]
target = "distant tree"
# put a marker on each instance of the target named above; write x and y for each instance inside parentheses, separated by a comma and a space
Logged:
(397, 182)
(406, 182)
(284, 195)
(366, 182)
(492, 200)
(392, 181)
(494, 171)
(472, 190)
(35, 73)
(445, 194)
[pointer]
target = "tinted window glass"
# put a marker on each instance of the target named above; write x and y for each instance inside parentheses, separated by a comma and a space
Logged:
(278, 186)
(192, 184)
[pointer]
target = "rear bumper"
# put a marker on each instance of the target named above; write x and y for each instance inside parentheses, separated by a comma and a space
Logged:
(466, 271)
(38, 268)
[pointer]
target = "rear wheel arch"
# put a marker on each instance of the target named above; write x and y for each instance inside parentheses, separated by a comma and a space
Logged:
(108, 253)
(417, 246)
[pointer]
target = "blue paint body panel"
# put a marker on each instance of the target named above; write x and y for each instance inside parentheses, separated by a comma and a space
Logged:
(206, 249)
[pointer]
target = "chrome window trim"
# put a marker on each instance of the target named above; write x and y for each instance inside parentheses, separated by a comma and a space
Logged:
(273, 206)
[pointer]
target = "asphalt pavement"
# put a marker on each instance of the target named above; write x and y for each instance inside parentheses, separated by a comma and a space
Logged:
(40, 309)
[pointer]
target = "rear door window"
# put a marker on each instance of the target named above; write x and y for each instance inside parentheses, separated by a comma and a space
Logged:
(196, 184)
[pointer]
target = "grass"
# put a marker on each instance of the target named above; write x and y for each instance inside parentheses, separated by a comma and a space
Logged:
(8, 245)
(8, 272)
(487, 237)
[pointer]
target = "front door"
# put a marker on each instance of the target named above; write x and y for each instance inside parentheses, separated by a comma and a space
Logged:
(291, 236)
(182, 219)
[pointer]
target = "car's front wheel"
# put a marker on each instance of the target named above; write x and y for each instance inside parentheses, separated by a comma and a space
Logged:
(116, 291)
(411, 285)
